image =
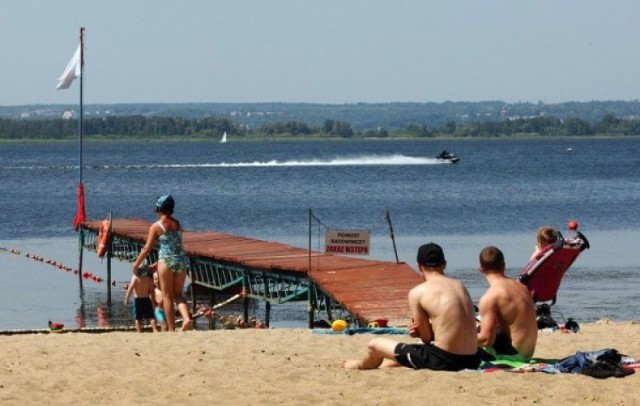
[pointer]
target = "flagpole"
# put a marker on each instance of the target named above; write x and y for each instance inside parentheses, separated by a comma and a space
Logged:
(75, 68)
(80, 164)
(80, 126)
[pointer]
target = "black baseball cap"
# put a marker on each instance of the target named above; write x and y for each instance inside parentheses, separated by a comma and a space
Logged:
(430, 255)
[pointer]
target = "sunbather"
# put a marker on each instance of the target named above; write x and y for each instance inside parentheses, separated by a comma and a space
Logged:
(507, 314)
(443, 319)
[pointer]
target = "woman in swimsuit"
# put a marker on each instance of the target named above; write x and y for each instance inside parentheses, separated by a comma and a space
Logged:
(172, 262)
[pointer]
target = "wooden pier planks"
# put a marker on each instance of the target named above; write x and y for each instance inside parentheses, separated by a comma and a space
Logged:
(377, 291)
(367, 288)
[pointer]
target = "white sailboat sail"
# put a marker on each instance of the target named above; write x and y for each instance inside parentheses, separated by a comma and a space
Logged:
(224, 137)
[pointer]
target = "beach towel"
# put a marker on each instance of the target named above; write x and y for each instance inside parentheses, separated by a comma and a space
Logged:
(599, 364)
(513, 364)
(363, 330)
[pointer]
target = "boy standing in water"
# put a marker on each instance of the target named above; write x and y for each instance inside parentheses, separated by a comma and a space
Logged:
(144, 304)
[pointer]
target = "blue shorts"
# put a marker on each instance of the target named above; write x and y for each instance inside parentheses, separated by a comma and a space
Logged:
(160, 315)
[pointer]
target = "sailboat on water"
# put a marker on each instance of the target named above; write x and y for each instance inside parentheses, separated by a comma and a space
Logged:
(224, 138)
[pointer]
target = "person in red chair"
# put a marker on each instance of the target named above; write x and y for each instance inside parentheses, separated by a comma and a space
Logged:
(508, 323)
(544, 237)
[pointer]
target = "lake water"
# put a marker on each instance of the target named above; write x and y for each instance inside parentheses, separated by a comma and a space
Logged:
(499, 194)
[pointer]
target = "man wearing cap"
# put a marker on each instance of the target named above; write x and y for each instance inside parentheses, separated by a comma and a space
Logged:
(443, 318)
(507, 313)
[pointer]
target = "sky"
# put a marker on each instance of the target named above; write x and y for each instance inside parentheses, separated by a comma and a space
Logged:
(330, 51)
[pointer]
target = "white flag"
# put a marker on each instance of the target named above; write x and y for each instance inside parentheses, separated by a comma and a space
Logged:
(71, 72)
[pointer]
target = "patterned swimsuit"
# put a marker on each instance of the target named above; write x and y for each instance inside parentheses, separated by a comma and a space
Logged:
(171, 251)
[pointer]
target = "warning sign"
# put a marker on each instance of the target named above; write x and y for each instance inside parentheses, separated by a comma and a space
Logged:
(347, 242)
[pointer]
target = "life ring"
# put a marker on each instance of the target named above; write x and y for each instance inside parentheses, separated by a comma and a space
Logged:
(103, 238)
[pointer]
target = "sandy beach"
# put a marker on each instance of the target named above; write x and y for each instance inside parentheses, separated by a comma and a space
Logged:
(281, 366)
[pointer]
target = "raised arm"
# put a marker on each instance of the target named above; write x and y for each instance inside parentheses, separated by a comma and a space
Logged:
(134, 280)
(488, 321)
(421, 327)
(144, 252)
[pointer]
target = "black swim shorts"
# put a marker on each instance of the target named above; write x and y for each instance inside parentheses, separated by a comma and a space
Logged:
(144, 308)
(420, 356)
(502, 345)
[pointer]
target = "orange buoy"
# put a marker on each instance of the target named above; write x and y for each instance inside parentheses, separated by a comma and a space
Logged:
(339, 325)
(103, 238)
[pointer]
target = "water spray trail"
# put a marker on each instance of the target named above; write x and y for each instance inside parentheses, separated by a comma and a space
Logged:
(363, 160)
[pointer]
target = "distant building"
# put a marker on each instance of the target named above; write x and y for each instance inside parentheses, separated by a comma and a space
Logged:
(69, 114)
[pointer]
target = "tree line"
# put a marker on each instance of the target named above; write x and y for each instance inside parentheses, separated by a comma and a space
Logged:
(156, 127)
(361, 116)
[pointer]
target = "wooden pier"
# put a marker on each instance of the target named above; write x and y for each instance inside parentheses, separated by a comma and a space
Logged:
(335, 286)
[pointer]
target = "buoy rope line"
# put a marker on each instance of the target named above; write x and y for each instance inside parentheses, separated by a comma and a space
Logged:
(86, 275)
(203, 311)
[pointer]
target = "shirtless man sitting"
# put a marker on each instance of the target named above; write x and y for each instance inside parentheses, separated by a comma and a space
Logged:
(507, 313)
(443, 318)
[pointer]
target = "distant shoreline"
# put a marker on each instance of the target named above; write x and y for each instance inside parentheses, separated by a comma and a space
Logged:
(112, 139)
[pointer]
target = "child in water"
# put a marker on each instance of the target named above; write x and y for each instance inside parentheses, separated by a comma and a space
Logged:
(143, 290)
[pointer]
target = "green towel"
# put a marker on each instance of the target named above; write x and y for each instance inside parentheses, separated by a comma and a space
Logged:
(508, 358)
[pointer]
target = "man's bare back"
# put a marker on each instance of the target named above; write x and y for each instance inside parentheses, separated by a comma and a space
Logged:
(506, 308)
(445, 306)
(515, 313)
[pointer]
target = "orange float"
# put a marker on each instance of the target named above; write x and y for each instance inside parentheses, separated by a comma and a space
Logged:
(103, 238)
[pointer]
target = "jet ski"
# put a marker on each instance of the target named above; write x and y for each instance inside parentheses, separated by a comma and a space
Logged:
(446, 156)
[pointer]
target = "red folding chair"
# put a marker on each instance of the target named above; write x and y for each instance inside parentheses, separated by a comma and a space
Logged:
(543, 274)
